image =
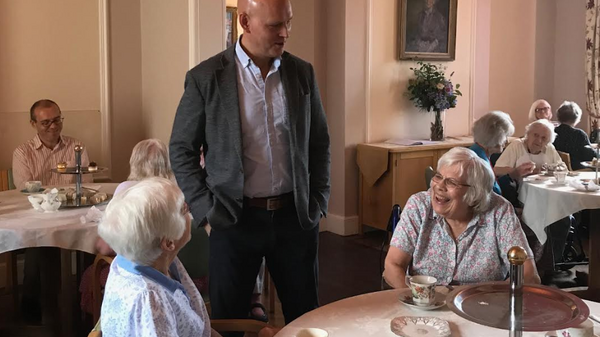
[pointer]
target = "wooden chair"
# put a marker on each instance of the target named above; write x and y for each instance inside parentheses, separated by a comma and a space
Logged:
(428, 175)
(566, 158)
(96, 286)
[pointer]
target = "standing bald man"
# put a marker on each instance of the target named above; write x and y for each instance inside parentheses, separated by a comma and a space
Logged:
(257, 113)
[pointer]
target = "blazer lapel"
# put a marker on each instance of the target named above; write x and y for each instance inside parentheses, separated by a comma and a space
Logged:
(228, 94)
(290, 86)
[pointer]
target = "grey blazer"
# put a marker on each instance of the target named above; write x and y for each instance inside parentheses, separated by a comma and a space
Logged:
(209, 116)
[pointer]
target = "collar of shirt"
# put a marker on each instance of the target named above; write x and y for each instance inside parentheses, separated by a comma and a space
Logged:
(172, 284)
(37, 142)
(474, 221)
(478, 150)
(247, 61)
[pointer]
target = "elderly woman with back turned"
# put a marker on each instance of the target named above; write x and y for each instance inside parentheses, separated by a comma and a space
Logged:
(490, 133)
(148, 292)
(570, 139)
(459, 231)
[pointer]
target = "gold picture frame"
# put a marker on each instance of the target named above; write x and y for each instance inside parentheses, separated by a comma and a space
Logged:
(231, 26)
(427, 29)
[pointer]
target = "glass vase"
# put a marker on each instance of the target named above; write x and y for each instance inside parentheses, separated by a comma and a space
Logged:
(437, 127)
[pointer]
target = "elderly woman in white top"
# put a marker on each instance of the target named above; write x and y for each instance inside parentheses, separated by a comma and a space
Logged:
(526, 156)
(459, 231)
(148, 292)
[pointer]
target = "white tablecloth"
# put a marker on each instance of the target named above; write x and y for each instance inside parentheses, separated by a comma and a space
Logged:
(546, 203)
(21, 226)
(371, 314)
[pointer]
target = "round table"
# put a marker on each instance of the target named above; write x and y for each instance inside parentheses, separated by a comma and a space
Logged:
(371, 314)
(22, 227)
(546, 202)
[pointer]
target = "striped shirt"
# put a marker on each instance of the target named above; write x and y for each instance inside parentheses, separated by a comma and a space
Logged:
(32, 161)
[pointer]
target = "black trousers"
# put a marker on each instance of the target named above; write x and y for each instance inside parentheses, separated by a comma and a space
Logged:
(291, 255)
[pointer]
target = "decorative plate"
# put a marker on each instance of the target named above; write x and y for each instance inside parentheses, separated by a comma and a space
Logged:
(406, 299)
(407, 326)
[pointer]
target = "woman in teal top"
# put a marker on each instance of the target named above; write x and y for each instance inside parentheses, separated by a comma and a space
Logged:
(490, 133)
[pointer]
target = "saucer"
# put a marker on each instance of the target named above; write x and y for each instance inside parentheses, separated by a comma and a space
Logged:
(24, 191)
(406, 299)
(407, 326)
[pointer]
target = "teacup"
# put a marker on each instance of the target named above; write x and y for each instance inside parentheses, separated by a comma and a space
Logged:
(422, 289)
(585, 329)
(312, 332)
(33, 186)
(560, 176)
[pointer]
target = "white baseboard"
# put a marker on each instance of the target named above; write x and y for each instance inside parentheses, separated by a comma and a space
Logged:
(340, 225)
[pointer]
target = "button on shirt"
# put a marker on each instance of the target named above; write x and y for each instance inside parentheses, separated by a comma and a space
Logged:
(141, 301)
(265, 128)
(32, 161)
(478, 254)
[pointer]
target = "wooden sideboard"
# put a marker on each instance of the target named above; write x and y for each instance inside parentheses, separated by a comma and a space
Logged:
(390, 174)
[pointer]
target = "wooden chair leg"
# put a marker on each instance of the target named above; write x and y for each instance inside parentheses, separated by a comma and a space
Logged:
(12, 278)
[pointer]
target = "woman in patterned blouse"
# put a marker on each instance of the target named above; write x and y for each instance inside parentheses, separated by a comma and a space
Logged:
(459, 231)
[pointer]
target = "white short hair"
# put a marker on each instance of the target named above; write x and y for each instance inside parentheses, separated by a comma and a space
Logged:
(479, 176)
(533, 107)
(136, 220)
(492, 129)
(542, 122)
(569, 112)
(149, 158)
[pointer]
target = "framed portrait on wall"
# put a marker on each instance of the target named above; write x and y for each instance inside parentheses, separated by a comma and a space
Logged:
(231, 26)
(427, 29)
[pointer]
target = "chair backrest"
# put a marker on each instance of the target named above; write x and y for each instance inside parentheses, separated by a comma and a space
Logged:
(428, 175)
(6, 180)
(96, 286)
(566, 158)
(237, 325)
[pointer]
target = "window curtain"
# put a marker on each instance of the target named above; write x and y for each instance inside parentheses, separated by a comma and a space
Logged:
(592, 60)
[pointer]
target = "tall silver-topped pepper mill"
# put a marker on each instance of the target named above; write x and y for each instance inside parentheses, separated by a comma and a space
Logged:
(78, 149)
(516, 256)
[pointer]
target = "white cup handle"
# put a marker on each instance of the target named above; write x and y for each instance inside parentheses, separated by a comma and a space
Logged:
(407, 280)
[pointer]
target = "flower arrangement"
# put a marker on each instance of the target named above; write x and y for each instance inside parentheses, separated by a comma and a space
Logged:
(430, 90)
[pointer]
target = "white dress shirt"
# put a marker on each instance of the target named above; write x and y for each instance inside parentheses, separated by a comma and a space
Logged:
(265, 128)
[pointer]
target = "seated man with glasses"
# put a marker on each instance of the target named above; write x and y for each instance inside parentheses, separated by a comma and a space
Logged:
(33, 160)
(459, 231)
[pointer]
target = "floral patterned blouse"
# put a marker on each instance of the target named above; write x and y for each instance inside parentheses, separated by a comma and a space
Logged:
(478, 254)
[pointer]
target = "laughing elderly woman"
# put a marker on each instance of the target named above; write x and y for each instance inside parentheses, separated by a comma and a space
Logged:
(459, 231)
(148, 291)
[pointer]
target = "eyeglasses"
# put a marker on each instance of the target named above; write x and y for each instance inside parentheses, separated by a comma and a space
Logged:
(47, 122)
(451, 183)
(544, 109)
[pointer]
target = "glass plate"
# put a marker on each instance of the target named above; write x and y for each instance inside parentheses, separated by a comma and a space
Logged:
(544, 308)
